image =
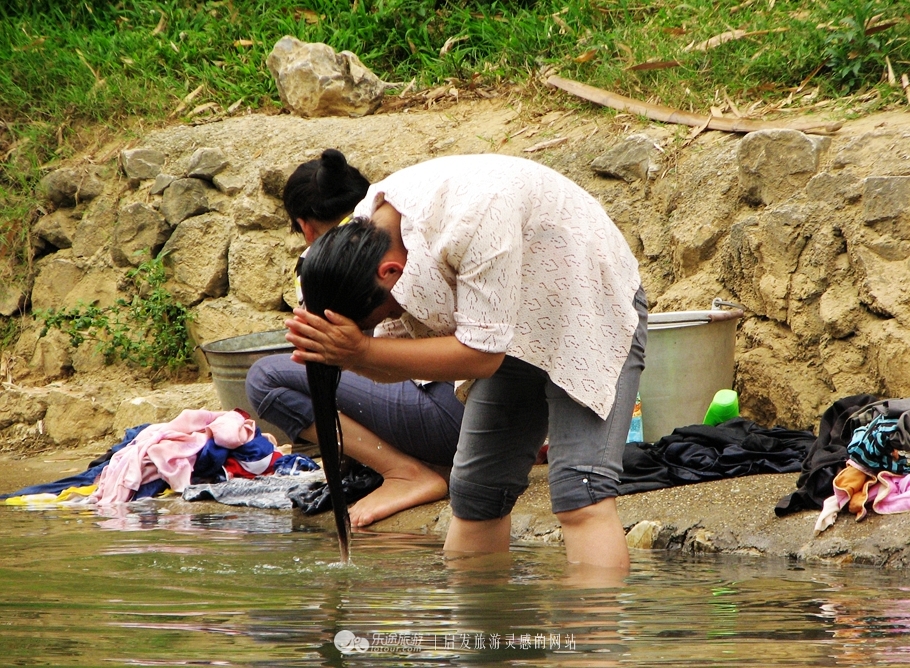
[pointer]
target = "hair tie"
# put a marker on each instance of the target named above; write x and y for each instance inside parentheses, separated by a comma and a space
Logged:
(345, 221)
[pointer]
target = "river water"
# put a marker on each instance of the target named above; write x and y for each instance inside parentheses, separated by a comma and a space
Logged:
(177, 584)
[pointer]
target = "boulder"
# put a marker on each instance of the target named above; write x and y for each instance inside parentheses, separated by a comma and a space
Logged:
(68, 186)
(57, 228)
(139, 234)
(162, 181)
(164, 405)
(256, 213)
(183, 199)
(314, 80)
(635, 158)
(776, 164)
(55, 276)
(274, 179)
(73, 418)
(258, 265)
(206, 163)
(196, 258)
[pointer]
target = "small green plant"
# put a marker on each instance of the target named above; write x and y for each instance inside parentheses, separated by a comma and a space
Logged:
(855, 53)
(149, 330)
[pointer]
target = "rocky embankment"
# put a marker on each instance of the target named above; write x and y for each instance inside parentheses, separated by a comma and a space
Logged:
(809, 233)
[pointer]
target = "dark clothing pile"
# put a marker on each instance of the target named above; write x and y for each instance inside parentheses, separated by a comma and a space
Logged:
(826, 457)
(699, 453)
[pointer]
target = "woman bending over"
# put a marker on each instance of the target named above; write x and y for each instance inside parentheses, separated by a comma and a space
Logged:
(504, 273)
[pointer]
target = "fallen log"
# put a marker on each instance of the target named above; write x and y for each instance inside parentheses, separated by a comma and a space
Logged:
(657, 112)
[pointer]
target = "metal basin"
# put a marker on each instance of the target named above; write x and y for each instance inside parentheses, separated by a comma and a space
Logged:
(230, 360)
(689, 358)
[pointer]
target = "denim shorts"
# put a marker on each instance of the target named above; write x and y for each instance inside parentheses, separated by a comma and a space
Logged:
(508, 417)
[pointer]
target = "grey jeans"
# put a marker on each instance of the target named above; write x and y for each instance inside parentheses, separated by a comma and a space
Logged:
(420, 420)
(509, 415)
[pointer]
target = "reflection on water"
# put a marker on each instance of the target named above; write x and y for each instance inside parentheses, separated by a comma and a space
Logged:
(166, 584)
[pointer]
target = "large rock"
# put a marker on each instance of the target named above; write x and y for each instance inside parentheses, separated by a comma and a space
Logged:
(764, 253)
(100, 286)
(52, 357)
(274, 179)
(776, 164)
(885, 199)
(258, 213)
(314, 80)
(12, 299)
(164, 405)
(73, 418)
(258, 268)
(196, 257)
(21, 404)
(206, 163)
(69, 186)
(56, 275)
(57, 228)
(93, 233)
(217, 319)
(142, 163)
(139, 234)
(184, 198)
(635, 158)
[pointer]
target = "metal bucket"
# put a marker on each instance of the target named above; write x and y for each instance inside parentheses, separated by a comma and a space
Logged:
(230, 359)
(689, 358)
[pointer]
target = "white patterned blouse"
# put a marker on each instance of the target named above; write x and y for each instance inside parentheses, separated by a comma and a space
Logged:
(511, 256)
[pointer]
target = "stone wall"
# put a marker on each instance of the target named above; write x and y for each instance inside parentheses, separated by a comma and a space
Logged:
(810, 234)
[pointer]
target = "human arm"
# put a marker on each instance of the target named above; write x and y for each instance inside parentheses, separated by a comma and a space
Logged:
(338, 341)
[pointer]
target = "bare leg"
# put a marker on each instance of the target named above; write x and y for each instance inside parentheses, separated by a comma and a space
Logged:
(594, 535)
(479, 536)
(407, 482)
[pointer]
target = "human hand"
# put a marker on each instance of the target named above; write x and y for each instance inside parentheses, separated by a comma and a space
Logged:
(333, 340)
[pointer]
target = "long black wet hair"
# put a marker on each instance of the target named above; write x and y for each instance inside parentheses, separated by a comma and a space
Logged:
(325, 189)
(340, 274)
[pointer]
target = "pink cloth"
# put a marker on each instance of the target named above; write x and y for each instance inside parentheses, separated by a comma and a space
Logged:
(889, 494)
(168, 451)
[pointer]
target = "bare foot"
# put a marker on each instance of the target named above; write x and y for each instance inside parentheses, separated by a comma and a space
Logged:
(410, 486)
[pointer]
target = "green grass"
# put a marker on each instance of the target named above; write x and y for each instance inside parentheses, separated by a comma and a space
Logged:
(72, 64)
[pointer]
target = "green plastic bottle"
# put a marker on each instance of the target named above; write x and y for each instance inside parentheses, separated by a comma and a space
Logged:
(724, 406)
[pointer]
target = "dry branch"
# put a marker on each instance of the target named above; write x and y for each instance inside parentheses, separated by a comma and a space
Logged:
(664, 114)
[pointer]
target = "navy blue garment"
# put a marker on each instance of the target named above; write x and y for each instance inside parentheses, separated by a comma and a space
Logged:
(291, 464)
(643, 470)
(210, 461)
(87, 477)
(732, 449)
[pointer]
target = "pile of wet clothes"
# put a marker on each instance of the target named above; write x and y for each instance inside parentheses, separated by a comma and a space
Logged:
(858, 462)
(200, 454)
